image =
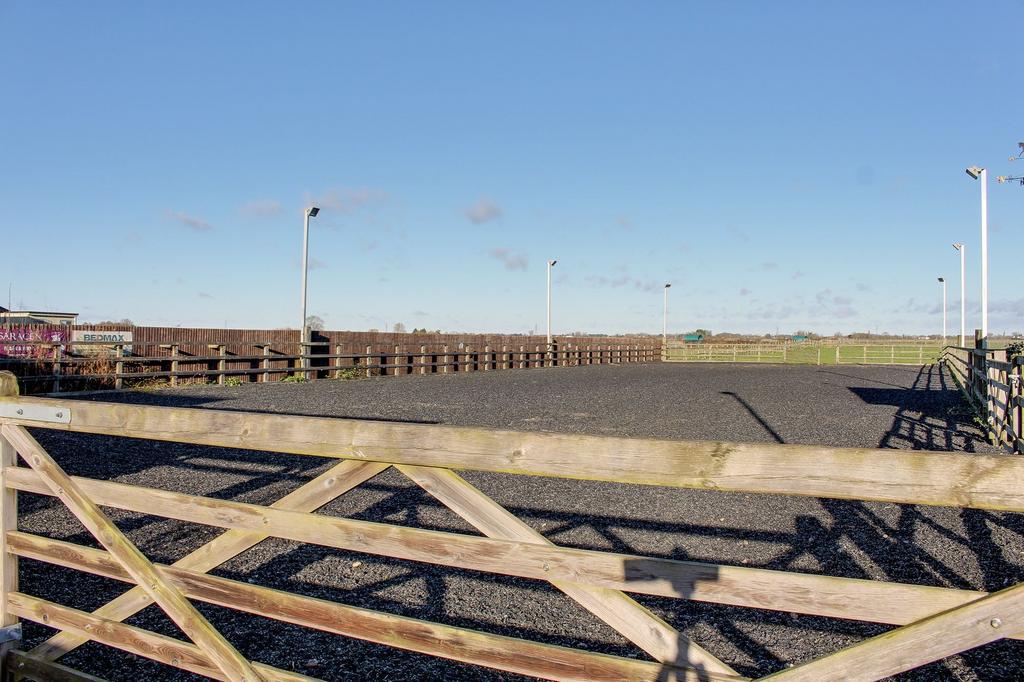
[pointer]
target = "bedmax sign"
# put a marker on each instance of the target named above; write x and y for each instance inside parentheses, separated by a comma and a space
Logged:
(100, 342)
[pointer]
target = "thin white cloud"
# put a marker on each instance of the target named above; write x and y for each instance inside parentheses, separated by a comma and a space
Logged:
(511, 259)
(483, 211)
(346, 199)
(745, 292)
(191, 222)
(266, 208)
(624, 280)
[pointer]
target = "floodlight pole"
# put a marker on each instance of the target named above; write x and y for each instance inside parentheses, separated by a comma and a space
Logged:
(310, 211)
(942, 281)
(664, 325)
(963, 306)
(551, 264)
(984, 255)
(982, 175)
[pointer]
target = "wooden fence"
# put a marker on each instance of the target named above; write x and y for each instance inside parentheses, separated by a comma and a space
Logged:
(56, 367)
(933, 622)
(994, 385)
(806, 353)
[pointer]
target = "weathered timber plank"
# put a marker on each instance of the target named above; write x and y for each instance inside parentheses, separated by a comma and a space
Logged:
(986, 620)
(227, 659)
(632, 620)
(910, 477)
(167, 650)
(21, 663)
(882, 602)
(460, 644)
(324, 488)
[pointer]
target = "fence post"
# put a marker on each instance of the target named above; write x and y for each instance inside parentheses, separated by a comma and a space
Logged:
(58, 351)
(175, 351)
(444, 359)
(920, 355)
(337, 361)
(819, 355)
(865, 353)
(369, 352)
(487, 358)
(8, 523)
(221, 364)
(423, 359)
(118, 365)
(504, 357)
(395, 362)
(1017, 395)
(264, 363)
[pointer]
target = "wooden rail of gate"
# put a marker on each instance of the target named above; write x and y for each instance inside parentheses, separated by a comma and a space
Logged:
(994, 387)
(933, 622)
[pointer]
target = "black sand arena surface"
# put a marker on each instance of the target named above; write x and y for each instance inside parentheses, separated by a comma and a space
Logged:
(897, 407)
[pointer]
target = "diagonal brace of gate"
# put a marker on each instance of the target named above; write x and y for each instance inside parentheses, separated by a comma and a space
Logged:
(621, 612)
(309, 497)
(180, 610)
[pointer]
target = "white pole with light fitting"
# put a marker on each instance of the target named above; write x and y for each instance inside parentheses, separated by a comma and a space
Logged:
(942, 281)
(963, 287)
(310, 212)
(982, 174)
(664, 325)
(551, 264)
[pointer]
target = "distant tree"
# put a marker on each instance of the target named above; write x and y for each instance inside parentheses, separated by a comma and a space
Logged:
(124, 322)
(399, 328)
(315, 323)
(703, 332)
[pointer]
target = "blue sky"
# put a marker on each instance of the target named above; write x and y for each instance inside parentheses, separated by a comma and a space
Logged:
(784, 165)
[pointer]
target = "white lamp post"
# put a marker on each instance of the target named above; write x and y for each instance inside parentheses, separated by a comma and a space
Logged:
(310, 212)
(664, 324)
(551, 264)
(963, 306)
(942, 281)
(982, 174)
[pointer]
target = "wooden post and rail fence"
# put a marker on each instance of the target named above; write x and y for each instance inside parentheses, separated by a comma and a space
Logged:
(993, 383)
(829, 352)
(52, 367)
(931, 622)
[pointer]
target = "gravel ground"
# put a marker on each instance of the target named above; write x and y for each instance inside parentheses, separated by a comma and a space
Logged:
(889, 407)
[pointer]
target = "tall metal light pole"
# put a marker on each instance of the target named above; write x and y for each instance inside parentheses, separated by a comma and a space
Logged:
(664, 325)
(551, 264)
(310, 212)
(982, 174)
(942, 281)
(963, 306)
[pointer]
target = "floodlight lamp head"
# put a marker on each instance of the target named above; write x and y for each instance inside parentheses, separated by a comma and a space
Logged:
(975, 171)
(957, 245)
(312, 211)
(942, 279)
(668, 286)
(552, 263)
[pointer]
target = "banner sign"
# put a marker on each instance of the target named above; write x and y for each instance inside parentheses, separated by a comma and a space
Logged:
(12, 341)
(96, 342)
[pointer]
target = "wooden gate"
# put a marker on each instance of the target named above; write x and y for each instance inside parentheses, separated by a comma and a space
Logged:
(933, 622)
